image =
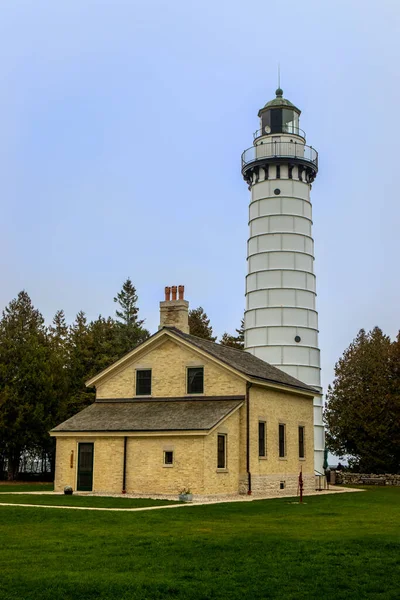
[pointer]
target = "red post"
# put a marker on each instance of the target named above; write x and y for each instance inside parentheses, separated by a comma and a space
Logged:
(301, 485)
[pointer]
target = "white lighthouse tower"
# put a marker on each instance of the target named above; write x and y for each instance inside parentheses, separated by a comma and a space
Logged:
(281, 321)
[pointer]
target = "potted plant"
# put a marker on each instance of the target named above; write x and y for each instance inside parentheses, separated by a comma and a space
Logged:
(185, 495)
(68, 491)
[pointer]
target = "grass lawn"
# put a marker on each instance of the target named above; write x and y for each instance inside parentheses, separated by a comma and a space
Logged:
(6, 487)
(95, 501)
(344, 546)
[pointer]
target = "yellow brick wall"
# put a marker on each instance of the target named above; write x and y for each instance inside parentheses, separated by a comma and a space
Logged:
(147, 474)
(65, 475)
(107, 465)
(168, 363)
(280, 407)
(226, 481)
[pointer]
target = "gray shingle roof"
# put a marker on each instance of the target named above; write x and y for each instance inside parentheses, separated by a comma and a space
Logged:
(245, 362)
(154, 414)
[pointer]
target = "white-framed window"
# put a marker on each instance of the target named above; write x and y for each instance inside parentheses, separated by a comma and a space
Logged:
(168, 458)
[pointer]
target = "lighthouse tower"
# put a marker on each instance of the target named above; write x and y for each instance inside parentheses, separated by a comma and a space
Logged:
(281, 321)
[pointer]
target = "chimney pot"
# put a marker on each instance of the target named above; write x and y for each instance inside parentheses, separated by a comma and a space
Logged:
(176, 313)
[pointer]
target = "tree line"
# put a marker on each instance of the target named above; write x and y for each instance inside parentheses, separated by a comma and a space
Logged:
(362, 413)
(43, 368)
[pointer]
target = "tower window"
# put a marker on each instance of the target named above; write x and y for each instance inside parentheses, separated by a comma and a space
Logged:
(195, 380)
(278, 171)
(290, 172)
(143, 382)
(282, 440)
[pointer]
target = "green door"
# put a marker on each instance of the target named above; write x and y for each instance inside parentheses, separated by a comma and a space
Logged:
(85, 467)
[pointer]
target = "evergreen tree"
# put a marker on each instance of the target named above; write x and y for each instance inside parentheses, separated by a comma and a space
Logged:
(234, 341)
(79, 367)
(104, 340)
(58, 333)
(131, 330)
(199, 324)
(27, 404)
(359, 413)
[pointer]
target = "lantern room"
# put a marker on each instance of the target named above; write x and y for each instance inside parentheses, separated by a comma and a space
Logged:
(279, 116)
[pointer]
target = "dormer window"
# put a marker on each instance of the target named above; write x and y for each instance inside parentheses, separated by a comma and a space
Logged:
(195, 380)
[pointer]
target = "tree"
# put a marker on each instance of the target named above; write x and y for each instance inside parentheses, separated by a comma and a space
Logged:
(234, 341)
(27, 404)
(131, 330)
(58, 333)
(79, 367)
(360, 412)
(199, 324)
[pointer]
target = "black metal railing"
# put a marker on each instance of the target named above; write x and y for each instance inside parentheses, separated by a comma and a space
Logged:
(281, 150)
(287, 129)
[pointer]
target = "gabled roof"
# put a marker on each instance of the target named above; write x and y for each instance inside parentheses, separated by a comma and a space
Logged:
(244, 362)
(153, 414)
(241, 361)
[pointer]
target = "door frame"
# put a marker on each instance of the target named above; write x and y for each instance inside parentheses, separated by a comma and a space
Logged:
(78, 467)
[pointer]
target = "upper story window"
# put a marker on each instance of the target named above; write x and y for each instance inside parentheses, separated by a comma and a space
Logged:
(143, 382)
(195, 380)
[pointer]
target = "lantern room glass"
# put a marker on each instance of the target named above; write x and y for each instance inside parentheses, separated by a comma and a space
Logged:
(280, 120)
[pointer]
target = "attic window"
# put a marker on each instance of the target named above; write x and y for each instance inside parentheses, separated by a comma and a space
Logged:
(143, 382)
(195, 380)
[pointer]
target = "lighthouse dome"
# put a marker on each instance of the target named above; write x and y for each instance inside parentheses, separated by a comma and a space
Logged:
(280, 102)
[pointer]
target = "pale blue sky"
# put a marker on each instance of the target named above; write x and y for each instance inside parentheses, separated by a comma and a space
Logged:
(121, 129)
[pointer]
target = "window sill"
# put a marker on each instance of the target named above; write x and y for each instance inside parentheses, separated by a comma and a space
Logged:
(168, 466)
(283, 458)
(303, 459)
(263, 458)
(222, 471)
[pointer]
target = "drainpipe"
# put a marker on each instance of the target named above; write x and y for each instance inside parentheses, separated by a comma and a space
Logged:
(124, 471)
(248, 386)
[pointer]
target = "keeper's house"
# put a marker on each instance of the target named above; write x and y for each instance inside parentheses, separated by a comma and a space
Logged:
(182, 412)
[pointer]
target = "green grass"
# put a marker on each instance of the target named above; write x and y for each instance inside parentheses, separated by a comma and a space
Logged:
(6, 487)
(93, 501)
(344, 546)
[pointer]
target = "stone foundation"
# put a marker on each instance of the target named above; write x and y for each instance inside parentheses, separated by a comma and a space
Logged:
(271, 484)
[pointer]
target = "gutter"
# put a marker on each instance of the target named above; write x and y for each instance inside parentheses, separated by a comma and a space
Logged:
(124, 469)
(248, 386)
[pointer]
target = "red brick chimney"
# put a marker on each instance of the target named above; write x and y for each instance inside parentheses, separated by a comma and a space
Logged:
(174, 312)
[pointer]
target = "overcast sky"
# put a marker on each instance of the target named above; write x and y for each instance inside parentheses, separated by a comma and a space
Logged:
(121, 129)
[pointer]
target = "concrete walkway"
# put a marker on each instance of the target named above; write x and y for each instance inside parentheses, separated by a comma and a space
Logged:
(197, 501)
